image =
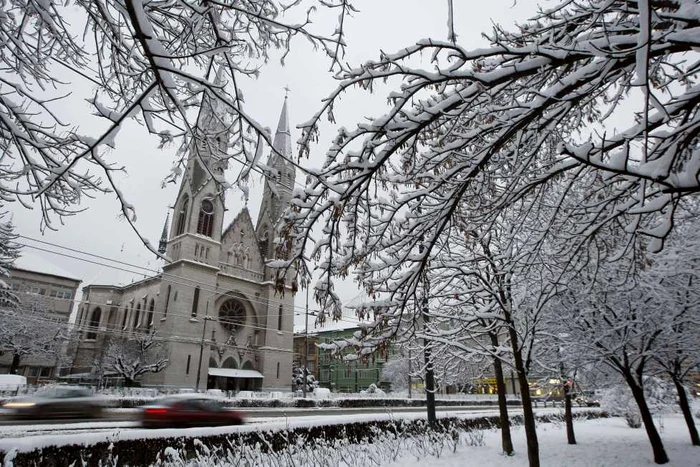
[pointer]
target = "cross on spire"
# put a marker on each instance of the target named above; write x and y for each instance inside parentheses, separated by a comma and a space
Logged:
(286, 91)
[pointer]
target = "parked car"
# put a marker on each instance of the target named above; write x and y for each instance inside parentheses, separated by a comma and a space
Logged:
(56, 402)
(188, 410)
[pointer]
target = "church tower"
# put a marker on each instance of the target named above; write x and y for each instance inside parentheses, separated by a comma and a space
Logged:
(198, 216)
(278, 189)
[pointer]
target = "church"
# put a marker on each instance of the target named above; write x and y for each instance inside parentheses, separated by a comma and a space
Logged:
(214, 309)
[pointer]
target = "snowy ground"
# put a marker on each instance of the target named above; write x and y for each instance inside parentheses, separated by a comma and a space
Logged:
(601, 443)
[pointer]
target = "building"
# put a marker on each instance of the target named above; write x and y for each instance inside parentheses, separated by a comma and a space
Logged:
(310, 343)
(48, 293)
(214, 305)
(332, 371)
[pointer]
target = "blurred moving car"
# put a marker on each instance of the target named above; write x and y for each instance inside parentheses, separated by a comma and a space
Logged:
(586, 399)
(56, 402)
(188, 410)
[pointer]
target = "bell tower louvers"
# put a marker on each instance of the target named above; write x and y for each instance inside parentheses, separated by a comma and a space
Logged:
(277, 192)
(195, 233)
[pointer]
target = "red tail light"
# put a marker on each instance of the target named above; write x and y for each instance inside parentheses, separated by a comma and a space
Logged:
(155, 411)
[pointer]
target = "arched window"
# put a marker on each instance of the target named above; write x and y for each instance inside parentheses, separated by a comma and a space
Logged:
(182, 216)
(205, 222)
(137, 316)
(229, 363)
(126, 315)
(232, 314)
(195, 302)
(151, 307)
(167, 302)
(94, 323)
(279, 318)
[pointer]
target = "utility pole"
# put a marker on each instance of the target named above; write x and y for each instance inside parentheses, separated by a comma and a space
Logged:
(409, 371)
(201, 347)
(429, 372)
(306, 344)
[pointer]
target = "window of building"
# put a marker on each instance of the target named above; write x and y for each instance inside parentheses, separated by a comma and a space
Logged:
(311, 349)
(167, 302)
(94, 324)
(195, 302)
(33, 371)
(182, 216)
(310, 366)
(60, 293)
(36, 290)
(45, 372)
(232, 314)
(278, 370)
(137, 316)
(187, 369)
(279, 318)
(126, 315)
(151, 307)
(205, 223)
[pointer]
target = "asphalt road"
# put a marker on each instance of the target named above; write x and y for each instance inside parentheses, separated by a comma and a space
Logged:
(118, 418)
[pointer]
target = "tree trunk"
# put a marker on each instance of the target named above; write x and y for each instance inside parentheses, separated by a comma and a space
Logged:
(687, 414)
(15, 363)
(533, 448)
(657, 446)
(568, 416)
(429, 386)
(506, 440)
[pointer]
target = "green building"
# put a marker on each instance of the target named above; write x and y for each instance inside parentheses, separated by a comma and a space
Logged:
(340, 375)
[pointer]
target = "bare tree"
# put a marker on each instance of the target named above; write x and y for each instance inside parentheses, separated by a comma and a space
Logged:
(146, 61)
(31, 329)
(519, 125)
(135, 356)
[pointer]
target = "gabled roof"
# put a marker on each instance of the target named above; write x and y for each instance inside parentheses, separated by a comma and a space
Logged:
(243, 216)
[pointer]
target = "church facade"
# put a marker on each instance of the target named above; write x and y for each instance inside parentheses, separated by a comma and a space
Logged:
(213, 307)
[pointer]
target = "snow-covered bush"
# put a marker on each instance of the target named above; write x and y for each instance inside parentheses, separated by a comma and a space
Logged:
(618, 401)
(373, 389)
(298, 379)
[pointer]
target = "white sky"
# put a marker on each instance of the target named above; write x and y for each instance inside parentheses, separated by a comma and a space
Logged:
(381, 25)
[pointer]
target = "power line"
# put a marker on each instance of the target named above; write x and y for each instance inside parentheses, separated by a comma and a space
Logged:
(205, 287)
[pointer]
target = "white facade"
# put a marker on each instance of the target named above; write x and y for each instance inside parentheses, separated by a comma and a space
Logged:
(214, 301)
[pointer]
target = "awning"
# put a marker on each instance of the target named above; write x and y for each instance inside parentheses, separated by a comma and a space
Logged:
(233, 373)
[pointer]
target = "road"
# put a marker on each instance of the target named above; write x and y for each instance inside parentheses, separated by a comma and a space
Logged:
(126, 419)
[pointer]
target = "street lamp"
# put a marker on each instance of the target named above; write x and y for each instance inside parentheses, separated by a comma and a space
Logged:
(306, 345)
(201, 346)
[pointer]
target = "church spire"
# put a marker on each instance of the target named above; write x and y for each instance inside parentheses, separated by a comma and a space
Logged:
(164, 236)
(277, 192)
(283, 137)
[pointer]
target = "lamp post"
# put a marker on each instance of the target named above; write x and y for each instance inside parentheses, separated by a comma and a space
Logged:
(201, 347)
(306, 346)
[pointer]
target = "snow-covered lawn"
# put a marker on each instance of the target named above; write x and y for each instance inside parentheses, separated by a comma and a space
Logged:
(602, 442)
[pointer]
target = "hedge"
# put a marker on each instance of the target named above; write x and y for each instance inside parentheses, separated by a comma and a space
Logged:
(148, 451)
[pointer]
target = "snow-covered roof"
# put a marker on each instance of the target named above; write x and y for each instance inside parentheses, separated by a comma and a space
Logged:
(30, 261)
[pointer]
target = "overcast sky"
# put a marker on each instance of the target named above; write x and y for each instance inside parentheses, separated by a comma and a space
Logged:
(381, 25)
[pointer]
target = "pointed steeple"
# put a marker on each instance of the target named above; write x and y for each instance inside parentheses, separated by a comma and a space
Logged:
(277, 192)
(283, 138)
(164, 236)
